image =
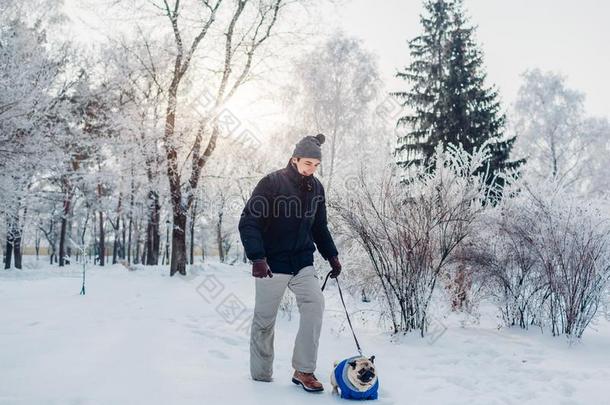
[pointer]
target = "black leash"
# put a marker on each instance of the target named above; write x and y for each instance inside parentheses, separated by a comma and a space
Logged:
(345, 308)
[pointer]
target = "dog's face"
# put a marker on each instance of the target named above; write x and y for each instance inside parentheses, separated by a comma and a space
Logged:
(361, 373)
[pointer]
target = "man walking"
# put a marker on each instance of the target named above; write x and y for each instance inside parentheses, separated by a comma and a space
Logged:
(279, 225)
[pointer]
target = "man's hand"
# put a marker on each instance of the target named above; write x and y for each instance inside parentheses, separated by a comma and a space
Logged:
(260, 268)
(336, 267)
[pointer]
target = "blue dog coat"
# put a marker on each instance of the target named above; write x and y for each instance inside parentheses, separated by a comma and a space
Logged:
(348, 391)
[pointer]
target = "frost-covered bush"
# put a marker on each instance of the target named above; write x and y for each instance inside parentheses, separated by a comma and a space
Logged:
(410, 231)
(572, 240)
(502, 259)
(545, 254)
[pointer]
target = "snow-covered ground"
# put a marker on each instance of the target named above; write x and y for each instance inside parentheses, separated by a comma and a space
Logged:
(142, 337)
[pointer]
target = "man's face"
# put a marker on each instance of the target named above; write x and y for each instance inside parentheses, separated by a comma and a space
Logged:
(306, 166)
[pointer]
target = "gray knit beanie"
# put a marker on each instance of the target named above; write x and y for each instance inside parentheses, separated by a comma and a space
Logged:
(310, 147)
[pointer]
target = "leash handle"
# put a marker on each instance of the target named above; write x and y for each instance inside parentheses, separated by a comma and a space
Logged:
(325, 280)
(349, 321)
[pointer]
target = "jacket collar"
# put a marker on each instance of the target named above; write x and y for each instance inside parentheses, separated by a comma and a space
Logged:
(304, 182)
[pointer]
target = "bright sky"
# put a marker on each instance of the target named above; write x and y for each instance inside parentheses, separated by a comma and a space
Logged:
(561, 35)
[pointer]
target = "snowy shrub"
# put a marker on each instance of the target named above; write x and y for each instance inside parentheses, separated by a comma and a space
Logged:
(546, 256)
(502, 260)
(571, 239)
(462, 287)
(410, 231)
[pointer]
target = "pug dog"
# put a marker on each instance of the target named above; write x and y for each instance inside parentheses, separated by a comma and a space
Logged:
(359, 378)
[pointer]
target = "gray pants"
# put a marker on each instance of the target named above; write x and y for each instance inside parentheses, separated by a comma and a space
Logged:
(310, 300)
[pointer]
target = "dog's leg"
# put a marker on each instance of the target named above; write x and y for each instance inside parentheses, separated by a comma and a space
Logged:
(333, 381)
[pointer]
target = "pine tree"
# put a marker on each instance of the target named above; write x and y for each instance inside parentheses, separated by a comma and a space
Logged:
(449, 99)
(426, 73)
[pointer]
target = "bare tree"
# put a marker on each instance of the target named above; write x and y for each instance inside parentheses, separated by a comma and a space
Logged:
(28, 81)
(334, 87)
(548, 120)
(255, 31)
(144, 94)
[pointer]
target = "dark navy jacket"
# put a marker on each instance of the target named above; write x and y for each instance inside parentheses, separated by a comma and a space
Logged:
(282, 220)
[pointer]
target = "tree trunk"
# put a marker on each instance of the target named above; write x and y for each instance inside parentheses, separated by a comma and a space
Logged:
(131, 205)
(203, 249)
(17, 245)
(37, 243)
(116, 227)
(221, 251)
(69, 234)
(129, 240)
(67, 206)
(102, 247)
(51, 239)
(96, 244)
(122, 251)
(83, 233)
(116, 245)
(136, 256)
(62, 239)
(20, 229)
(153, 238)
(193, 219)
(9, 250)
(178, 254)
(178, 261)
(13, 243)
(142, 256)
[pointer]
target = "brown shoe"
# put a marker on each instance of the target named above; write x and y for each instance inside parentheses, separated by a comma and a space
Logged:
(308, 381)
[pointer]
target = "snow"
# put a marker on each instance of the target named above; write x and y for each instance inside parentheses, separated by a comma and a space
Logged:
(142, 337)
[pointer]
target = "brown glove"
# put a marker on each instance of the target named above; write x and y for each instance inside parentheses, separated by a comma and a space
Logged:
(336, 266)
(261, 269)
